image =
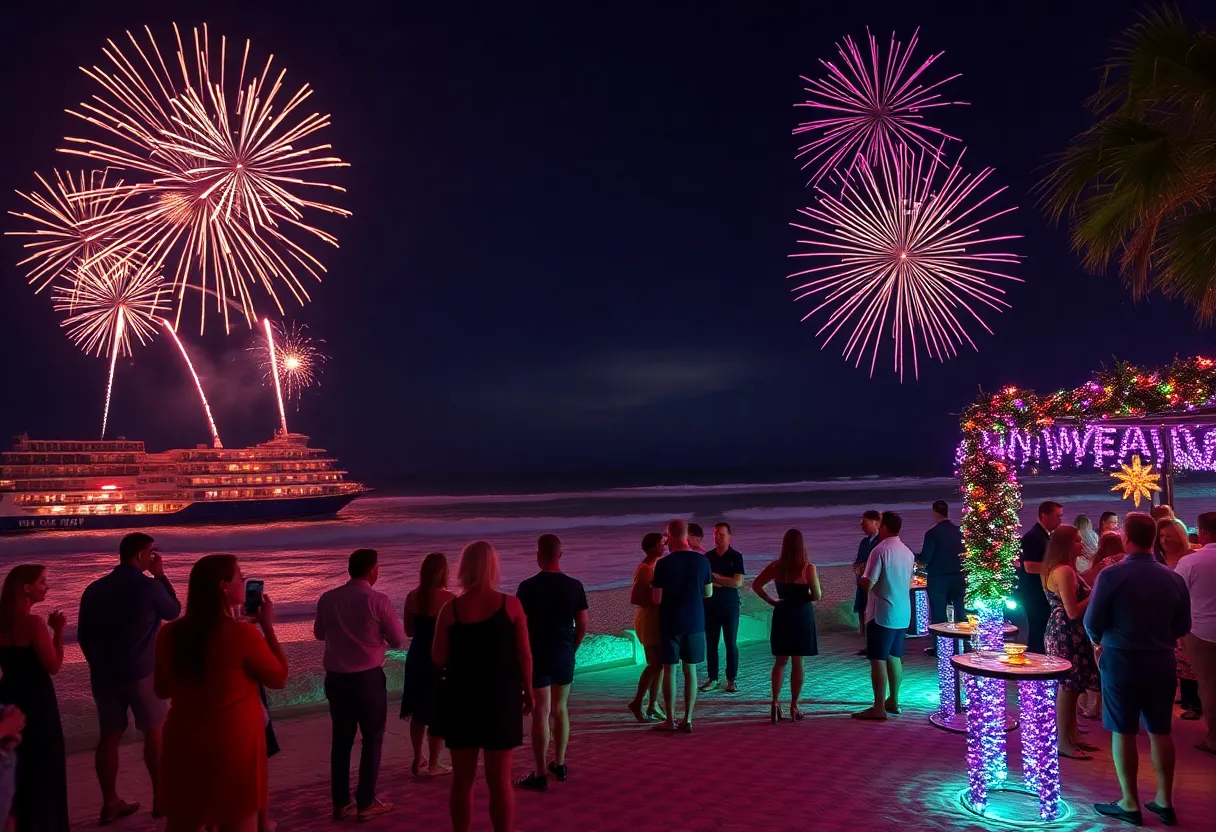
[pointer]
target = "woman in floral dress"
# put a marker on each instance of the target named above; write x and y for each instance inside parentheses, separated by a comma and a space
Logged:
(1068, 596)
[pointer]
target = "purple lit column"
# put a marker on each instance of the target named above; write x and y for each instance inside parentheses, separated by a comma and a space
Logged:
(1040, 748)
(977, 780)
(945, 677)
(922, 612)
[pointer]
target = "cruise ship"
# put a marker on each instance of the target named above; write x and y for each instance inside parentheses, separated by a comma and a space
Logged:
(51, 485)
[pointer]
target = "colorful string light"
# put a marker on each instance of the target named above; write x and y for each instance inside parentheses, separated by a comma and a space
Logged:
(946, 681)
(1040, 748)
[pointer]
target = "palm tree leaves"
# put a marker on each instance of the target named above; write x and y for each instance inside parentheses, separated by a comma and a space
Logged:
(1140, 184)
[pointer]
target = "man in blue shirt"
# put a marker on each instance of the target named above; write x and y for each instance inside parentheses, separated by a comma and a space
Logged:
(120, 616)
(1137, 612)
(682, 581)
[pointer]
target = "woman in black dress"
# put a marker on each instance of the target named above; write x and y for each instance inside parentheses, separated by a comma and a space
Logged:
(421, 686)
(793, 633)
(29, 657)
(481, 643)
(1067, 598)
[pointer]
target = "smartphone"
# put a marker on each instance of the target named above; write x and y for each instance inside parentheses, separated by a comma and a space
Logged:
(253, 596)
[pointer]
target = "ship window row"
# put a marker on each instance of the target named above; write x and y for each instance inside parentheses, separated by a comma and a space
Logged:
(121, 508)
(70, 471)
(88, 447)
(255, 467)
(20, 458)
(251, 493)
(334, 476)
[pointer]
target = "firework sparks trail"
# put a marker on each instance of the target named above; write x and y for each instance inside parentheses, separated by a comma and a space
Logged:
(64, 217)
(215, 434)
(274, 363)
(870, 108)
(219, 197)
(300, 360)
(105, 308)
(898, 247)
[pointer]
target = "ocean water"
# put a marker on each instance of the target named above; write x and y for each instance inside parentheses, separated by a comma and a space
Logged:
(601, 532)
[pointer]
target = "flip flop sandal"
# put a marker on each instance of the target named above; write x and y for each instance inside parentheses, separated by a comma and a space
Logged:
(1084, 746)
(685, 728)
(1205, 748)
(1078, 756)
(124, 811)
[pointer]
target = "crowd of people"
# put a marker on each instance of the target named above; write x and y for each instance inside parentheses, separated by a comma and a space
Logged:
(1132, 608)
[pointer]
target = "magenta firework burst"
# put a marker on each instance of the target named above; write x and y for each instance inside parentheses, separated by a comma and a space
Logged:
(902, 251)
(868, 107)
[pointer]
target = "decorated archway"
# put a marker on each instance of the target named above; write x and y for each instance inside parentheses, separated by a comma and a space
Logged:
(1139, 425)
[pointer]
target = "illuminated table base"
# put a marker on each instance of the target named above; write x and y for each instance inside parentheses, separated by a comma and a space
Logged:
(987, 765)
(919, 627)
(951, 715)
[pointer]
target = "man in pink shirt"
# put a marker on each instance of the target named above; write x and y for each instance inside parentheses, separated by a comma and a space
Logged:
(356, 623)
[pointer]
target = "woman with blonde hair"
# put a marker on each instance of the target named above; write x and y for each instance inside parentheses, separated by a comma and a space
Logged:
(793, 634)
(421, 683)
(1067, 597)
(1089, 542)
(31, 652)
(481, 642)
(1174, 542)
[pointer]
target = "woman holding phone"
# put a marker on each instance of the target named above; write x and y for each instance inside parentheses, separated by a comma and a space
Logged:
(209, 666)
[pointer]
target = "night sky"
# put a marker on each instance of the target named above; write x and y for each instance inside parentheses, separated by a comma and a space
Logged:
(568, 255)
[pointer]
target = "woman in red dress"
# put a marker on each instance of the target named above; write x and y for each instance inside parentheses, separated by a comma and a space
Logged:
(209, 665)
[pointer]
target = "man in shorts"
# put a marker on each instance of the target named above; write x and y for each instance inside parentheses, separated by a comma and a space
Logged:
(120, 615)
(682, 582)
(1137, 612)
(888, 581)
(556, 607)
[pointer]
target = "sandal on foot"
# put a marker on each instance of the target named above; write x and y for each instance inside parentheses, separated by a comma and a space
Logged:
(1084, 746)
(1167, 814)
(438, 771)
(796, 713)
(774, 714)
(655, 713)
(1205, 748)
(685, 728)
(665, 728)
(1078, 755)
(869, 716)
(636, 710)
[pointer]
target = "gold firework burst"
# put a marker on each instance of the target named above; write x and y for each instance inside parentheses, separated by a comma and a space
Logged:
(1136, 481)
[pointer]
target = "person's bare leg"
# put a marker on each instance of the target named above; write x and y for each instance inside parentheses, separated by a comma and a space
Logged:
(1093, 704)
(540, 727)
(561, 723)
(265, 824)
(105, 762)
(436, 748)
(648, 681)
(502, 796)
(152, 746)
(795, 683)
(1163, 766)
(895, 677)
(778, 678)
(669, 694)
(878, 684)
(417, 735)
(1127, 765)
(690, 691)
(460, 799)
(656, 680)
(1066, 722)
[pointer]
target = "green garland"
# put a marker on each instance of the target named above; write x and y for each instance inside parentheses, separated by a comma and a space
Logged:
(991, 494)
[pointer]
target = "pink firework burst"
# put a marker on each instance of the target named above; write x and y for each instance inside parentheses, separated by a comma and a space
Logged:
(904, 256)
(869, 108)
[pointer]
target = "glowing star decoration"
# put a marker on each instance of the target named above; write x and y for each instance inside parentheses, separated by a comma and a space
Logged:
(218, 154)
(869, 108)
(1136, 481)
(902, 253)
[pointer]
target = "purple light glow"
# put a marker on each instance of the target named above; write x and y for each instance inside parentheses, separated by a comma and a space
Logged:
(1107, 447)
(977, 780)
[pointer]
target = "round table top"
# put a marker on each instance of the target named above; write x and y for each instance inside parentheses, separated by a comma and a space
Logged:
(955, 631)
(995, 666)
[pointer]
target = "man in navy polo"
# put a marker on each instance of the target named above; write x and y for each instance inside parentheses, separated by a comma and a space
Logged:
(1137, 612)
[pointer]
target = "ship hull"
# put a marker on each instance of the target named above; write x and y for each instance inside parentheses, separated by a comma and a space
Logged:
(199, 513)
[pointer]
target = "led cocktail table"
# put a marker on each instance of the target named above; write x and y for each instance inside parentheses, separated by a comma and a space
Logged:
(950, 714)
(985, 675)
(919, 625)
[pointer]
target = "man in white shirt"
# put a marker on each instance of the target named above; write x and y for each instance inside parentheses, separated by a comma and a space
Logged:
(1198, 569)
(888, 581)
(356, 623)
